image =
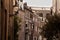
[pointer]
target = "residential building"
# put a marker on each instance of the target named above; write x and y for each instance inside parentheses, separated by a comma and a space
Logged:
(21, 30)
(56, 6)
(42, 13)
(29, 24)
(6, 20)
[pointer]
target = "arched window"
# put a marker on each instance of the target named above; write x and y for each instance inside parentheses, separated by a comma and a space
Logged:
(41, 14)
(31, 16)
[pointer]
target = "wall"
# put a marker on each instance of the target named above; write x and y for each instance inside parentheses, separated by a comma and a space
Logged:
(6, 8)
(21, 32)
(56, 6)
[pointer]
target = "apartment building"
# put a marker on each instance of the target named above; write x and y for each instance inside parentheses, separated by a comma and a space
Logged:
(29, 24)
(6, 20)
(56, 6)
(42, 13)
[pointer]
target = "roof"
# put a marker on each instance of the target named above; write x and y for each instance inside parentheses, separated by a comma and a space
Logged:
(41, 8)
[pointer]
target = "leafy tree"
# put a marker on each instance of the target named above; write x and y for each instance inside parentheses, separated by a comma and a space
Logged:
(15, 27)
(17, 20)
(51, 27)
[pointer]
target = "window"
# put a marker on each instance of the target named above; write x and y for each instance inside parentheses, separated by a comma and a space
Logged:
(25, 25)
(32, 26)
(26, 36)
(47, 14)
(34, 38)
(40, 14)
(31, 16)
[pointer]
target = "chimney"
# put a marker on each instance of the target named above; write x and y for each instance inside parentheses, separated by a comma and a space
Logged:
(25, 5)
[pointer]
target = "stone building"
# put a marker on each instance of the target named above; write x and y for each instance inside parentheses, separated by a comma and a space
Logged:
(6, 19)
(7, 12)
(36, 21)
(32, 20)
(42, 13)
(32, 24)
(21, 30)
(29, 24)
(56, 6)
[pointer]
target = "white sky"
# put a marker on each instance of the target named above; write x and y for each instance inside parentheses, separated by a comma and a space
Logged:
(39, 3)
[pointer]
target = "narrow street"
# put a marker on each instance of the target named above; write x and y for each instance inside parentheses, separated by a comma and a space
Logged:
(29, 20)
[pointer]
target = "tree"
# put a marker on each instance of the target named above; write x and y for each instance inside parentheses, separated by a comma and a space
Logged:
(15, 28)
(17, 20)
(51, 27)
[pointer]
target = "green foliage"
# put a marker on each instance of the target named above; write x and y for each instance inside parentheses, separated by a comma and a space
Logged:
(16, 26)
(52, 27)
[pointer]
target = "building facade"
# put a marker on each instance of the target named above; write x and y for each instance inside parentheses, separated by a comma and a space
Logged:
(25, 24)
(6, 20)
(42, 13)
(56, 6)
(34, 20)
(29, 24)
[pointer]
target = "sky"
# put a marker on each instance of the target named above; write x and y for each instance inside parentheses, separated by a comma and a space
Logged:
(39, 3)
